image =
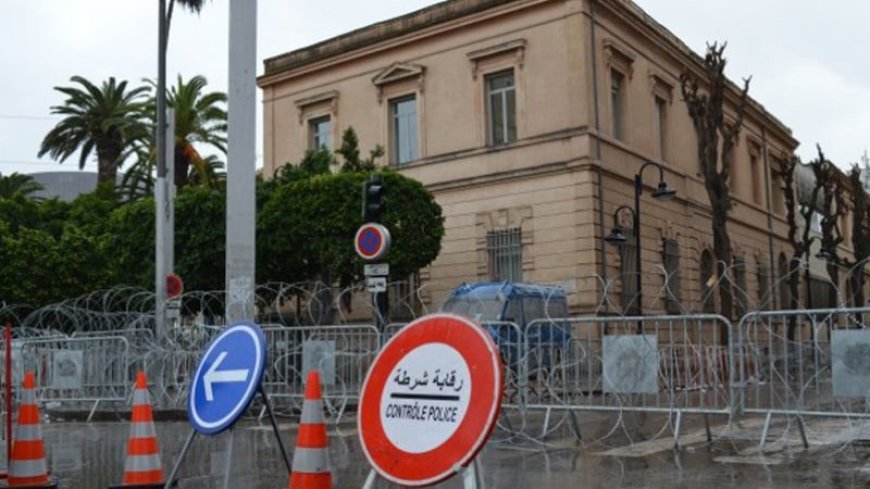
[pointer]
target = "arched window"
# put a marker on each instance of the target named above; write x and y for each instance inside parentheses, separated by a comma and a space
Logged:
(708, 302)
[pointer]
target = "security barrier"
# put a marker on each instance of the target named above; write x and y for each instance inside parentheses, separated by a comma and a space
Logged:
(79, 370)
(775, 363)
(804, 363)
(342, 354)
(667, 364)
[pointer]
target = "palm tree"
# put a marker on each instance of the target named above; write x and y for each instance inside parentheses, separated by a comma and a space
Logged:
(207, 173)
(200, 118)
(18, 184)
(138, 180)
(106, 119)
(194, 6)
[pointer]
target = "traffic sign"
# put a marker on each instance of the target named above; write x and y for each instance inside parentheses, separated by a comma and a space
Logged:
(430, 400)
(376, 285)
(173, 308)
(174, 286)
(227, 378)
(376, 269)
(372, 241)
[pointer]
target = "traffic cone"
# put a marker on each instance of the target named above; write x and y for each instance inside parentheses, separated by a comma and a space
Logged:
(311, 460)
(27, 468)
(142, 468)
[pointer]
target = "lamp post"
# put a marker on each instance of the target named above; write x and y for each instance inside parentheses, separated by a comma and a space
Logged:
(617, 236)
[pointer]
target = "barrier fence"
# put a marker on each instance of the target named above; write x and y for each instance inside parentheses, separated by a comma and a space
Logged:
(775, 363)
(342, 354)
(811, 363)
(673, 365)
(87, 370)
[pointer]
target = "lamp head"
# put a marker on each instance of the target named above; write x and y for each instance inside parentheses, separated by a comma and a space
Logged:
(664, 192)
(824, 255)
(616, 236)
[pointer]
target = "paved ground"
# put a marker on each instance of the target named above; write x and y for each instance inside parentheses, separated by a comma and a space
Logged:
(91, 456)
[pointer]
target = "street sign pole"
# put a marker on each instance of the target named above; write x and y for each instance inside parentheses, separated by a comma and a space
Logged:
(372, 241)
(382, 306)
(159, 188)
(241, 161)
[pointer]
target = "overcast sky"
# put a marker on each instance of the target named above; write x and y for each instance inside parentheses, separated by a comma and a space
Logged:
(807, 58)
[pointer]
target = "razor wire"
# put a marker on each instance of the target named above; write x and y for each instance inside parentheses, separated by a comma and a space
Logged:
(536, 373)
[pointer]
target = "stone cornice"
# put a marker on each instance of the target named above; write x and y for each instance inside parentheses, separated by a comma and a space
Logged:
(376, 33)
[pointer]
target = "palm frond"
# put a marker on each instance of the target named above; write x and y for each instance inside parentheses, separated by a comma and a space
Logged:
(102, 120)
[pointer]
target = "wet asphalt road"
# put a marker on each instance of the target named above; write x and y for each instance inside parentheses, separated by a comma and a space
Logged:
(91, 456)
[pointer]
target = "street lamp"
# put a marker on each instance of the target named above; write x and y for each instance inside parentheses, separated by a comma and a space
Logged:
(662, 192)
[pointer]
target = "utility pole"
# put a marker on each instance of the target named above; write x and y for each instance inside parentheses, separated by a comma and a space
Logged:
(241, 161)
(160, 221)
(373, 209)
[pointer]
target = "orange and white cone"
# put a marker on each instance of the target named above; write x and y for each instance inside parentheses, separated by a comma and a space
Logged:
(27, 468)
(311, 460)
(142, 468)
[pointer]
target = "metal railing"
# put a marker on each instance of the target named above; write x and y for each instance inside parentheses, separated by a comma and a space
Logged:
(79, 370)
(804, 363)
(342, 354)
(674, 365)
(797, 364)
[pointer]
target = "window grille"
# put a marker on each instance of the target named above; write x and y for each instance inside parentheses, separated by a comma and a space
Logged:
(505, 254)
(628, 273)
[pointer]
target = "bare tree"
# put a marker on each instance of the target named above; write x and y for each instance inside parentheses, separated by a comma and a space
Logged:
(716, 141)
(833, 208)
(798, 246)
(860, 234)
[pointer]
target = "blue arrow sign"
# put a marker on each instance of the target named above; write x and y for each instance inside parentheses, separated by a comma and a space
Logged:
(227, 378)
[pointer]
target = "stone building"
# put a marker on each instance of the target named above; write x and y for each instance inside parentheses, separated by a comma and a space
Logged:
(529, 120)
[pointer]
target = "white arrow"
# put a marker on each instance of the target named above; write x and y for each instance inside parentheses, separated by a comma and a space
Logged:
(212, 375)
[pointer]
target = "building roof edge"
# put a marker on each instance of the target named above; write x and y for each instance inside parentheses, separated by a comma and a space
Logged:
(438, 13)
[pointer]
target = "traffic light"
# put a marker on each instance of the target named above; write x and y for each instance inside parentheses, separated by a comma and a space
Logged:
(373, 203)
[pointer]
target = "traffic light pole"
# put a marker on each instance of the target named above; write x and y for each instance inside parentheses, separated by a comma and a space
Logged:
(373, 208)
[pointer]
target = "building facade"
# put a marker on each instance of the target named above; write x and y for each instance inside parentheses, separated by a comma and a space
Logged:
(529, 121)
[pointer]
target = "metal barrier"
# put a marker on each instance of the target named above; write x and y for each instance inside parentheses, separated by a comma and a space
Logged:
(804, 363)
(343, 355)
(83, 370)
(667, 364)
(391, 329)
(170, 366)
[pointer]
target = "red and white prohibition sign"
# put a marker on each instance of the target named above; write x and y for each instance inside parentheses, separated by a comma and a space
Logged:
(430, 400)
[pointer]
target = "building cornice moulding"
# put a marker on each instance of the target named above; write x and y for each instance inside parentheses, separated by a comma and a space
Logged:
(349, 52)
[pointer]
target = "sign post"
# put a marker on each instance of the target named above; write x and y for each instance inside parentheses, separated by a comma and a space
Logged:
(227, 378)
(430, 402)
(372, 241)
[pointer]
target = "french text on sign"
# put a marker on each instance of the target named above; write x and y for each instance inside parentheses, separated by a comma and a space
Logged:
(420, 384)
(376, 285)
(376, 269)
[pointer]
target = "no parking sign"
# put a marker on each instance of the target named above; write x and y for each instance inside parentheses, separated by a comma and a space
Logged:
(372, 241)
(430, 400)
